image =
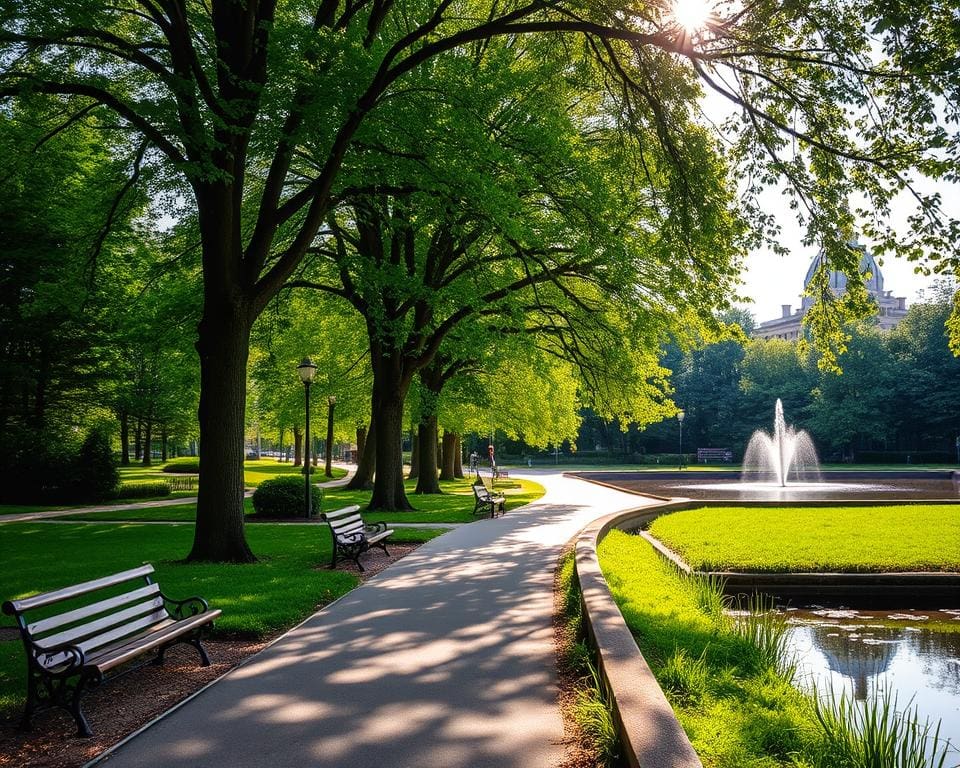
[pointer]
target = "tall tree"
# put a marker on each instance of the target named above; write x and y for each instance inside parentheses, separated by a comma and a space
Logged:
(233, 96)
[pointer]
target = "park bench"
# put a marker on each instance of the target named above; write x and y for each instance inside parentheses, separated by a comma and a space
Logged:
(724, 455)
(352, 537)
(486, 499)
(108, 622)
(498, 473)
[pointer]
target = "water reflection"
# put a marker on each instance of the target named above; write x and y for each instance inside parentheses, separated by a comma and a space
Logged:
(860, 652)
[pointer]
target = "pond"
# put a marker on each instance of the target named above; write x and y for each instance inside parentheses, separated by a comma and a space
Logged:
(912, 654)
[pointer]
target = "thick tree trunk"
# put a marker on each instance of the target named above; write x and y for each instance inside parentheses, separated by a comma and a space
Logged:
(124, 439)
(223, 344)
(414, 454)
(163, 444)
(389, 392)
(458, 457)
(282, 454)
(148, 444)
(297, 447)
(361, 442)
(427, 481)
(363, 479)
(448, 470)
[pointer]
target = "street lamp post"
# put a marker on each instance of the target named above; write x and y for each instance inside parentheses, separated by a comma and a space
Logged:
(331, 402)
(307, 371)
(680, 415)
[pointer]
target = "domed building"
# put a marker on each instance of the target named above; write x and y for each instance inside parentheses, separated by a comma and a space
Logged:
(890, 309)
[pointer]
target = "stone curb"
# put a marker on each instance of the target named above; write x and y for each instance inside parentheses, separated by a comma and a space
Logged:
(650, 733)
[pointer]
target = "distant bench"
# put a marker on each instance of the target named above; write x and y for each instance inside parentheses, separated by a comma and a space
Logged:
(715, 455)
(352, 537)
(486, 499)
(99, 637)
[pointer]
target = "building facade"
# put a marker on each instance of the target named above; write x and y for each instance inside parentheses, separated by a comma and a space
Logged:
(890, 309)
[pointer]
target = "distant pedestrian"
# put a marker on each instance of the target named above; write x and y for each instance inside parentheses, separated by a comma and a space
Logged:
(474, 461)
(493, 462)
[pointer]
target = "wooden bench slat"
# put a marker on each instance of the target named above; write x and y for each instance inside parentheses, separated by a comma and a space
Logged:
(353, 522)
(97, 626)
(45, 625)
(379, 536)
(344, 511)
(59, 595)
(154, 619)
(132, 647)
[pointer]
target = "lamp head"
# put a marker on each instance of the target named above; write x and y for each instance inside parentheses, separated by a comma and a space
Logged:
(307, 370)
(680, 415)
(332, 399)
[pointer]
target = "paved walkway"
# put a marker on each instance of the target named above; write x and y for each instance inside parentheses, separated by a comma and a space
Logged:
(444, 660)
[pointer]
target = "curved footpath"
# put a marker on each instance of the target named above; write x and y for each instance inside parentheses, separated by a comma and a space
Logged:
(446, 659)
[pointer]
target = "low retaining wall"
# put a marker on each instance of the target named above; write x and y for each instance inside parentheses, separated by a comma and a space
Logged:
(650, 733)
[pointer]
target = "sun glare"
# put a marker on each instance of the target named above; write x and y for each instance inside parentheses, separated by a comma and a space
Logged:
(692, 15)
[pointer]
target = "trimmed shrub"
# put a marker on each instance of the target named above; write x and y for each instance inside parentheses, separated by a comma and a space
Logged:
(186, 465)
(142, 490)
(283, 497)
(95, 475)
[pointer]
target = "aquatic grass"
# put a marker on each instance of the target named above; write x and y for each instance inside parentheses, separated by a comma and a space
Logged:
(765, 631)
(876, 734)
(684, 677)
(915, 537)
(708, 593)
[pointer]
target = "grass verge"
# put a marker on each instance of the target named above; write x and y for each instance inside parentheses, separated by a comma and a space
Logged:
(814, 539)
(583, 693)
(729, 679)
(287, 584)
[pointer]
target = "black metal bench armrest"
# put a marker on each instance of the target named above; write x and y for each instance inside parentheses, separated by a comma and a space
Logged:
(351, 538)
(378, 527)
(76, 658)
(181, 609)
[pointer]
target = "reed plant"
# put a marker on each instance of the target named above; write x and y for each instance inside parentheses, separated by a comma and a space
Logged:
(876, 734)
(764, 630)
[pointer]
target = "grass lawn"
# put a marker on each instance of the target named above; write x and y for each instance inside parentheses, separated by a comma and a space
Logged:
(454, 505)
(783, 539)
(287, 584)
(736, 709)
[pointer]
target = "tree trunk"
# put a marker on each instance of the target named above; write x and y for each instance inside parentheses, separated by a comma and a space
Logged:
(124, 439)
(138, 441)
(427, 481)
(282, 454)
(361, 443)
(458, 457)
(223, 344)
(297, 447)
(367, 462)
(448, 456)
(163, 444)
(389, 391)
(414, 455)
(148, 444)
(328, 459)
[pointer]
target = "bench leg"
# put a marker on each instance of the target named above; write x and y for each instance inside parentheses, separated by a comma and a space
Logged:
(195, 642)
(83, 727)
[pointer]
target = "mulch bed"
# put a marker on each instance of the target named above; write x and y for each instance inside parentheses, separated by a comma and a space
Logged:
(120, 708)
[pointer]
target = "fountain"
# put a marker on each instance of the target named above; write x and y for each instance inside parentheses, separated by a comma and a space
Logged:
(786, 456)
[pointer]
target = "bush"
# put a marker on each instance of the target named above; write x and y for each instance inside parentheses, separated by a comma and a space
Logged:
(283, 497)
(186, 465)
(95, 475)
(142, 490)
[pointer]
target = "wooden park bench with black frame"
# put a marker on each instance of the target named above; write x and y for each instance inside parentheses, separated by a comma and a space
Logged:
(485, 499)
(352, 537)
(101, 632)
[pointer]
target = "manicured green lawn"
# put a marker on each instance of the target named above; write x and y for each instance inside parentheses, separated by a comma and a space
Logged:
(289, 582)
(782, 539)
(454, 505)
(736, 709)
(255, 472)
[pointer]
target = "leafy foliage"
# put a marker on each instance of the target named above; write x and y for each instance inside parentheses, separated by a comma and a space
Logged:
(284, 497)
